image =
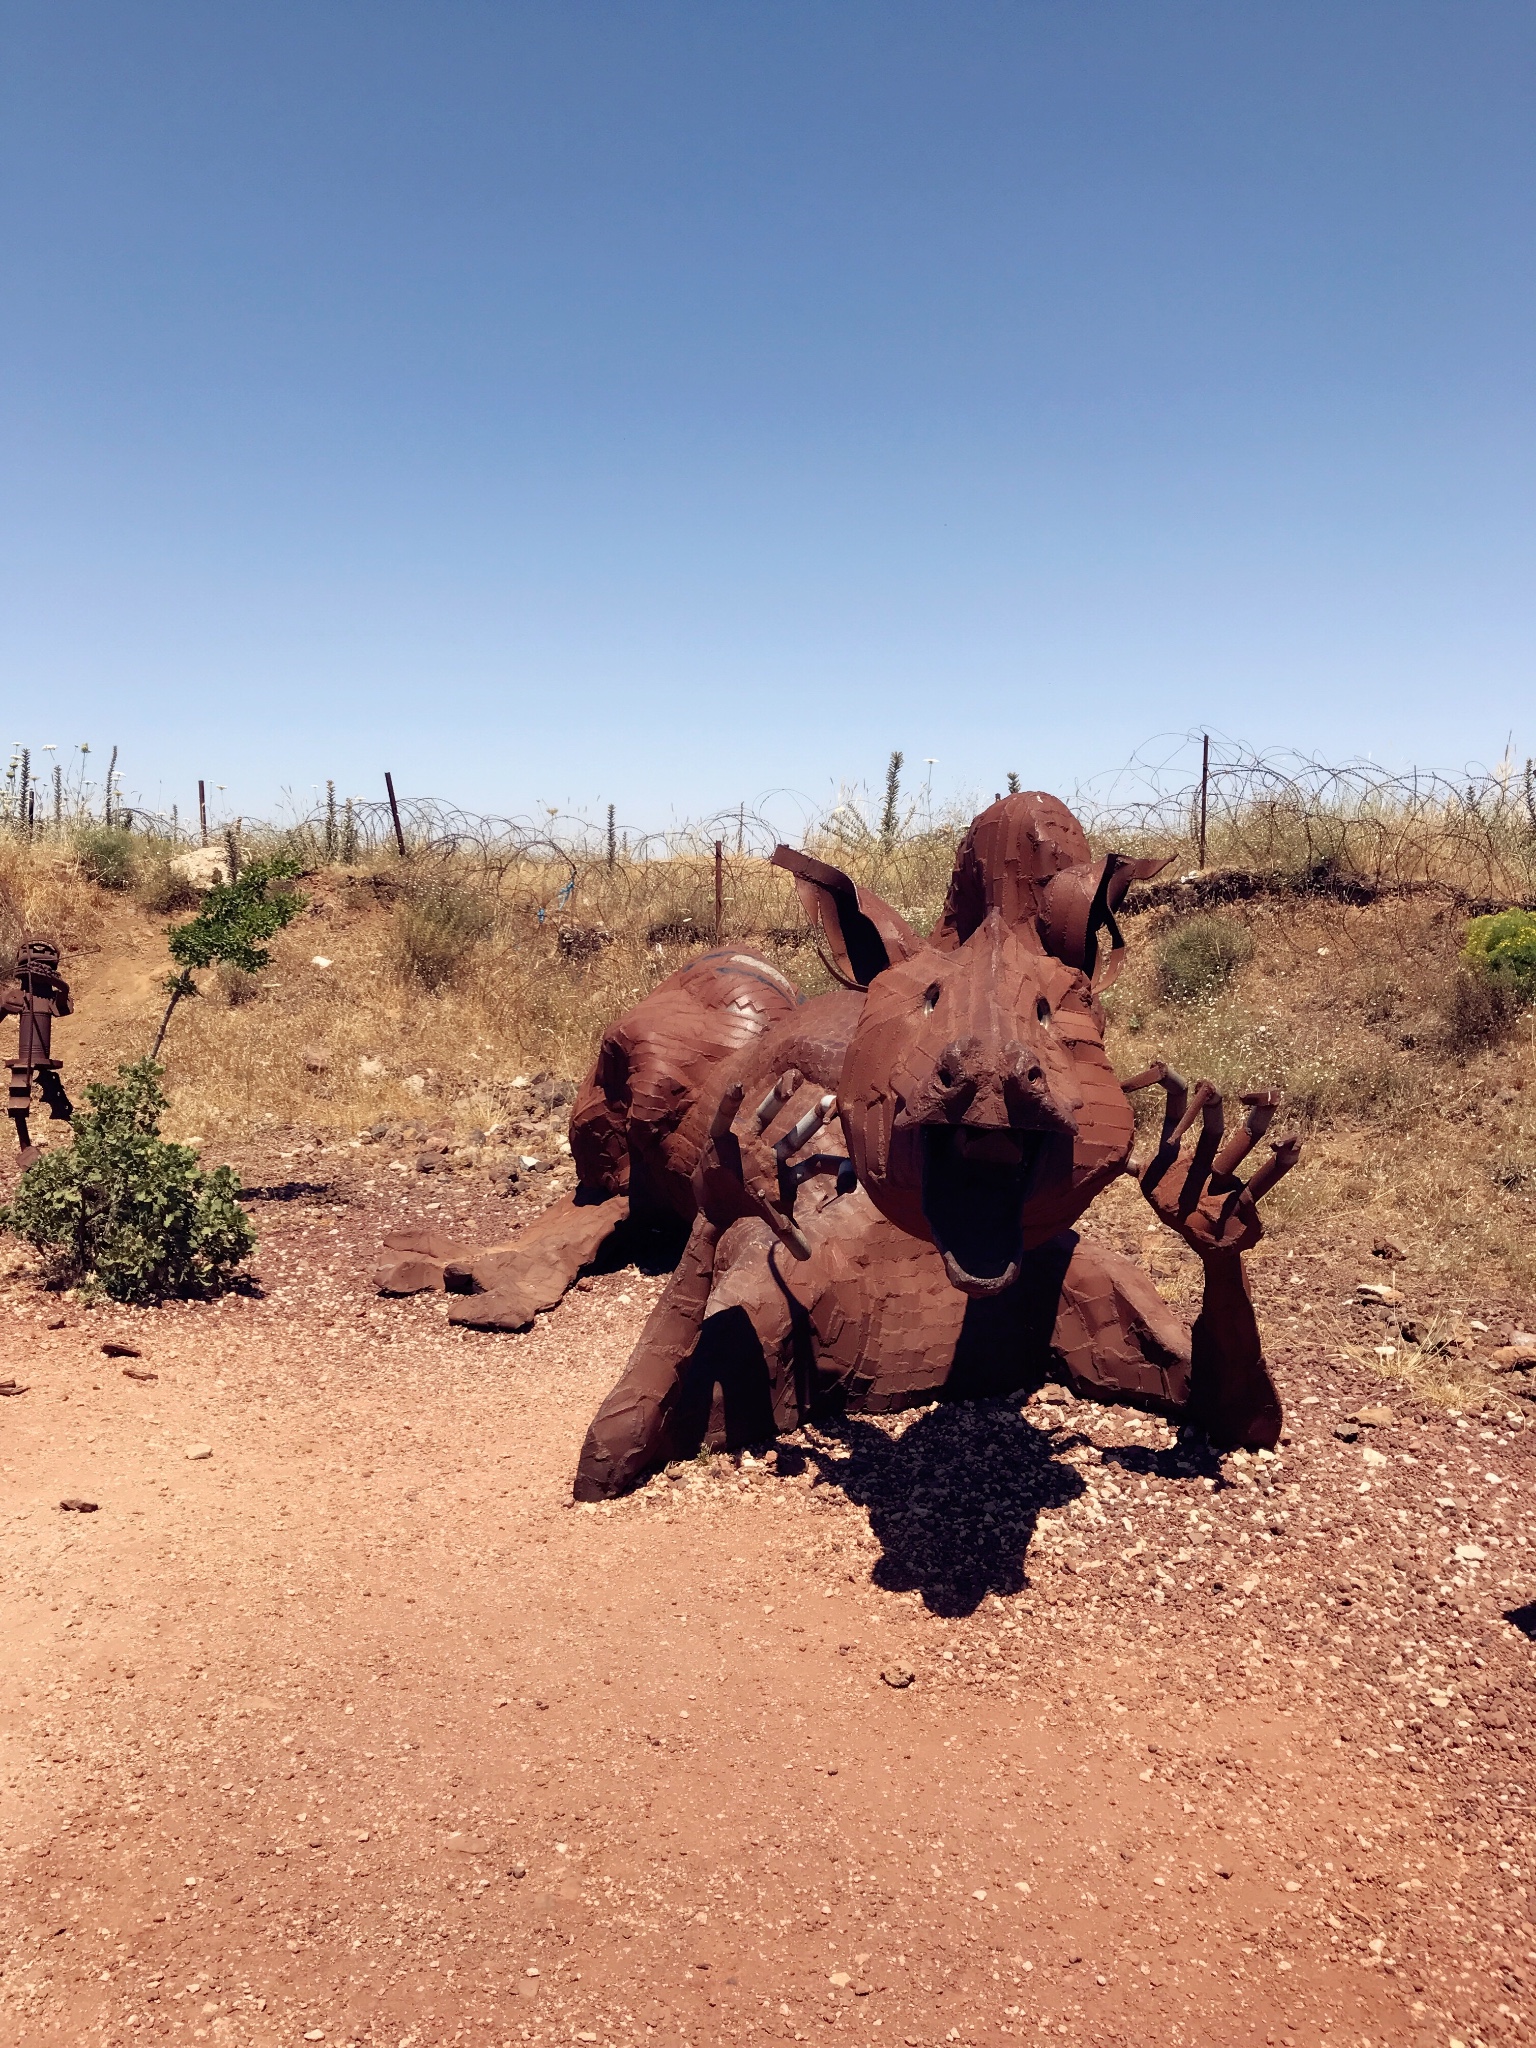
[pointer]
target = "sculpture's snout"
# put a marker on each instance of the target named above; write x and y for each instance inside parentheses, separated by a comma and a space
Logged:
(1003, 1086)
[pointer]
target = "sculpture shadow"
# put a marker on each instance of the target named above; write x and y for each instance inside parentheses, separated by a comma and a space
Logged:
(1191, 1457)
(1524, 1619)
(953, 1501)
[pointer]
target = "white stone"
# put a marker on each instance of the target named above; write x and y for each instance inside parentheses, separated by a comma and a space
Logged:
(202, 866)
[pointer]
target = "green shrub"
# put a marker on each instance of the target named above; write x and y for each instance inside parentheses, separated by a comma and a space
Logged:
(436, 930)
(107, 855)
(1504, 945)
(1479, 1008)
(1200, 956)
(122, 1213)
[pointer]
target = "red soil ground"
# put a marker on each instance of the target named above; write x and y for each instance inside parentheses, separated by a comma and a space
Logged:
(355, 1730)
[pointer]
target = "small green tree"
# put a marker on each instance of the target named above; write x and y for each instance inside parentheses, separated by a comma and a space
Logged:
(236, 917)
(122, 1213)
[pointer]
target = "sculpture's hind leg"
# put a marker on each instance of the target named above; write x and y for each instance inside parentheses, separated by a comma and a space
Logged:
(1116, 1335)
(508, 1285)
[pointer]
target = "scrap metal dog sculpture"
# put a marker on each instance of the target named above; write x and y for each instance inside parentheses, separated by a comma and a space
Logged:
(965, 1116)
(933, 1250)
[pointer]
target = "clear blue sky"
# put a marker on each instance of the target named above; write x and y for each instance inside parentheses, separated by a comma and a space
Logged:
(662, 404)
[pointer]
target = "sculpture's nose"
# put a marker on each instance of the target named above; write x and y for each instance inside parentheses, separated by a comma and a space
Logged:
(1026, 1090)
(1005, 1085)
(959, 1072)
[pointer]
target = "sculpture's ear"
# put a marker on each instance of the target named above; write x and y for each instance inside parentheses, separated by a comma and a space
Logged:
(864, 935)
(1079, 904)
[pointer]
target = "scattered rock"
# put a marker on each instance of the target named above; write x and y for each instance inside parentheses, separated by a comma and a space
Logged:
(121, 1351)
(139, 1372)
(315, 1061)
(12, 1387)
(1346, 1432)
(518, 1870)
(415, 1084)
(1374, 1290)
(199, 1450)
(1053, 1396)
(897, 1676)
(1518, 1352)
(1384, 1248)
(370, 1068)
(1377, 1417)
(551, 1091)
(74, 1506)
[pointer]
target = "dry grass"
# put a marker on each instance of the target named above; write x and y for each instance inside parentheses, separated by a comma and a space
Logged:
(1413, 1133)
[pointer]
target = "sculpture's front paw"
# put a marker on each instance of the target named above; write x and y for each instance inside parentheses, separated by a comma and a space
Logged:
(1202, 1199)
(721, 1183)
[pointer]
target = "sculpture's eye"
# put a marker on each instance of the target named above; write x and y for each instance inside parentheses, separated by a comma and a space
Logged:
(1043, 1011)
(931, 996)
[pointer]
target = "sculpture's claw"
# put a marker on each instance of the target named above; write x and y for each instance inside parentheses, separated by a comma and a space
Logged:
(1282, 1158)
(806, 1129)
(725, 1113)
(776, 1098)
(1261, 1105)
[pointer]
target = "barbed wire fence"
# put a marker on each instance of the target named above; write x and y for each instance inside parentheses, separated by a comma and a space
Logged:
(1286, 818)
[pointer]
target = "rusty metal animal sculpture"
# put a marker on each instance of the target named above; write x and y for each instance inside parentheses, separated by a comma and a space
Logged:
(932, 1248)
(38, 994)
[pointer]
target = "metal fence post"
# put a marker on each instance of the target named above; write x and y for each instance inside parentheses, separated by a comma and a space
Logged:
(394, 812)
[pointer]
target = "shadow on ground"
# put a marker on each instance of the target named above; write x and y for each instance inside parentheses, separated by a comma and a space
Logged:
(953, 1500)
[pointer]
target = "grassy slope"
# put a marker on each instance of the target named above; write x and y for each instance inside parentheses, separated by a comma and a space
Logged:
(1341, 1007)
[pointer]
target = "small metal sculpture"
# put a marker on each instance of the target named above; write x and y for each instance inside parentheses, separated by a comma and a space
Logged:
(37, 995)
(932, 1249)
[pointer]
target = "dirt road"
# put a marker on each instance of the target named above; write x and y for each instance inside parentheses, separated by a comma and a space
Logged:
(979, 1724)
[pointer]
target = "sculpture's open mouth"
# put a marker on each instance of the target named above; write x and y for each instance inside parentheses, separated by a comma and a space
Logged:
(975, 1185)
